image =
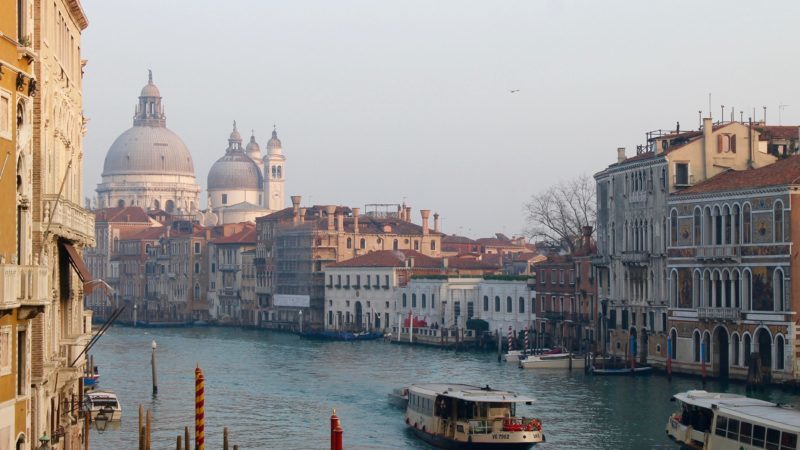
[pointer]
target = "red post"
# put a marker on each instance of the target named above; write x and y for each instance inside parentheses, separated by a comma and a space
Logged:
(334, 426)
(337, 438)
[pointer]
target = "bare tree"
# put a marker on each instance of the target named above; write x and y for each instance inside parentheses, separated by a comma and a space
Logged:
(558, 213)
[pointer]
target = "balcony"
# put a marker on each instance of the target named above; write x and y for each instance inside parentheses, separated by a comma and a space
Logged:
(22, 285)
(552, 315)
(229, 267)
(714, 253)
(635, 258)
(711, 313)
(68, 219)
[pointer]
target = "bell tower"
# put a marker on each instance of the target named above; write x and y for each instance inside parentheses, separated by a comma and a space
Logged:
(274, 174)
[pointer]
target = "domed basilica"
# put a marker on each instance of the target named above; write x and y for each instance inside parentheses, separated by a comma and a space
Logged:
(149, 166)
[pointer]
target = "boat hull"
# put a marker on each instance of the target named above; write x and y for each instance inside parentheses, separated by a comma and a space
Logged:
(537, 362)
(451, 444)
(627, 371)
(340, 336)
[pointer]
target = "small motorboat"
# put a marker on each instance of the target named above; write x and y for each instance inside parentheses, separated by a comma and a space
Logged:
(103, 402)
(643, 370)
(341, 335)
(553, 361)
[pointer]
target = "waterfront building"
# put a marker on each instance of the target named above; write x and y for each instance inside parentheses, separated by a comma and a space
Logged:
(452, 303)
(149, 165)
(111, 225)
(248, 302)
(361, 293)
(558, 308)
(296, 244)
(456, 245)
(731, 271)
(60, 227)
(632, 220)
(226, 254)
(500, 244)
(23, 286)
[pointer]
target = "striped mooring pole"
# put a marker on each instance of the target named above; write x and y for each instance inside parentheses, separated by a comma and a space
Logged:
(510, 344)
(199, 409)
(526, 339)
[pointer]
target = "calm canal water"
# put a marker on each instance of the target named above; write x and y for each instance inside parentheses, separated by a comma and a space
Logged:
(276, 391)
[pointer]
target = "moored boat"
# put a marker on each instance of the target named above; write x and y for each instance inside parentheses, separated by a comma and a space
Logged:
(105, 402)
(712, 420)
(341, 335)
(643, 370)
(459, 416)
(553, 361)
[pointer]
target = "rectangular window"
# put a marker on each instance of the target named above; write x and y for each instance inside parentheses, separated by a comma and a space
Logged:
(196, 248)
(773, 438)
(470, 309)
(722, 425)
(759, 433)
(746, 433)
(5, 350)
(457, 309)
(681, 174)
(224, 199)
(612, 320)
(625, 319)
(22, 367)
(385, 282)
(733, 429)
(572, 276)
(5, 116)
(788, 441)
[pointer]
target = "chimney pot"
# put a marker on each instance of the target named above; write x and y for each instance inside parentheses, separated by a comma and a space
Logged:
(436, 222)
(356, 212)
(330, 210)
(425, 213)
(621, 154)
(340, 221)
(302, 213)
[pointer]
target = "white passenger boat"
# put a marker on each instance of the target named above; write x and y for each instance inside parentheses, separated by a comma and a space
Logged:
(399, 397)
(719, 421)
(459, 416)
(512, 356)
(103, 401)
(554, 361)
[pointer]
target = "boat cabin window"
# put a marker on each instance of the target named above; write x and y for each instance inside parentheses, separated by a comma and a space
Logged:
(755, 435)
(700, 419)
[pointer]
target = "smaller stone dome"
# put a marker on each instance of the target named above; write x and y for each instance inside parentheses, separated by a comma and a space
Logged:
(274, 145)
(253, 149)
(235, 170)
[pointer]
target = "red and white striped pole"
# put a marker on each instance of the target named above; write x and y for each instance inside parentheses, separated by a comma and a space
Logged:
(526, 339)
(510, 344)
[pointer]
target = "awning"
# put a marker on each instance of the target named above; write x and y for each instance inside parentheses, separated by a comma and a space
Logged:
(76, 261)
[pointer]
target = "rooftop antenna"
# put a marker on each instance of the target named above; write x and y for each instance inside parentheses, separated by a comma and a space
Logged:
(709, 106)
(764, 117)
(741, 116)
(733, 111)
(722, 115)
(780, 112)
(699, 118)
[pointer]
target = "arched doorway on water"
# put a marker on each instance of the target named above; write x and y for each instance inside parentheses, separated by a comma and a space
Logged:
(720, 358)
(377, 321)
(633, 344)
(359, 317)
(643, 347)
(764, 342)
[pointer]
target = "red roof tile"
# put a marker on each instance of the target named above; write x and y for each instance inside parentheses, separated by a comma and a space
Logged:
(781, 173)
(246, 236)
(390, 258)
(767, 132)
(127, 214)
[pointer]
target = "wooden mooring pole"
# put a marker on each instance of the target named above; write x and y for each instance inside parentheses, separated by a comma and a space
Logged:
(149, 428)
(141, 427)
(153, 364)
(186, 438)
(225, 438)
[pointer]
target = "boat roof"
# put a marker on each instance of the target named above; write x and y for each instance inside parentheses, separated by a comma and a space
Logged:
(740, 406)
(470, 393)
(97, 395)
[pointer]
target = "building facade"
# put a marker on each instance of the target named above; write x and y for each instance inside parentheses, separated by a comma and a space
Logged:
(632, 219)
(731, 262)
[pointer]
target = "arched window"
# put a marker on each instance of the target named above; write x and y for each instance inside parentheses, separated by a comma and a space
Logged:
(395, 245)
(413, 300)
(274, 172)
(737, 229)
(779, 353)
(746, 350)
(707, 347)
(330, 317)
(747, 290)
(736, 348)
(120, 203)
(778, 222)
(280, 175)
(521, 305)
(509, 305)
(486, 303)
(698, 227)
(424, 302)
(170, 206)
(349, 242)
(405, 300)
(497, 304)
(433, 301)
(778, 289)
(433, 245)
(363, 243)
(673, 219)
(196, 291)
(696, 342)
(746, 235)
(673, 344)
(196, 267)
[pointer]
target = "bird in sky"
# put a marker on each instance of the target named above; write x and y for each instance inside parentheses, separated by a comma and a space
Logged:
(513, 91)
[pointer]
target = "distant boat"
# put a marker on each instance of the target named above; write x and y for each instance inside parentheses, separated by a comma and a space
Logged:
(340, 336)
(643, 370)
(553, 361)
(96, 402)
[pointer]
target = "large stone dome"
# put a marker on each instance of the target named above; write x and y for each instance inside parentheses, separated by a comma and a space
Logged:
(148, 150)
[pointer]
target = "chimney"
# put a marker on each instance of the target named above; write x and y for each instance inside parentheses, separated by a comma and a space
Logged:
(356, 212)
(425, 213)
(302, 212)
(620, 154)
(587, 236)
(708, 150)
(445, 262)
(296, 207)
(330, 210)
(436, 222)
(340, 221)
(408, 214)
(399, 212)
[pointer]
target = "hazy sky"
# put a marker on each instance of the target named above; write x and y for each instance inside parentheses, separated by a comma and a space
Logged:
(379, 101)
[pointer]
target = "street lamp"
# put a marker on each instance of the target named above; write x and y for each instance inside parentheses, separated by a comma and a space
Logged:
(44, 443)
(102, 418)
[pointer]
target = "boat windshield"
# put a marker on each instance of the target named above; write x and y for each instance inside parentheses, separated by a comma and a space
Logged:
(697, 417)
(101, 402)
